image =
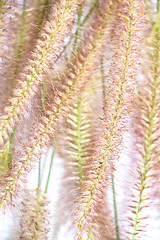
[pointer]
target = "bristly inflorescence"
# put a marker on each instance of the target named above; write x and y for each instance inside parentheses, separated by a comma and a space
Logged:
(146, 135)
(119, 94)
(34, 222)
(122, 76)
(47, 48)
(78, 137)
(19, 30)
(64, 95)
(73, 71)
(76, 149)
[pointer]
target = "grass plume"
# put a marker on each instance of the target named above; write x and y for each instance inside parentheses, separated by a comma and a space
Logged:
(34, 224)
(64, 94)
(47, 48)
(120, 89)
(146, 128)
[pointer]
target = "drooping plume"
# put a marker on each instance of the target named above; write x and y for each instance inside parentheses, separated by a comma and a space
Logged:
(34, 221)
(119, 93)
(64, 95)
(47, 49)
(145, 123)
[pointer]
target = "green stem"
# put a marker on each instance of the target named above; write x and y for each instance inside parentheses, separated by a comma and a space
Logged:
(115, 208)
(44, 12)
(95, 5)
(10, 149)
(24, 5)
(78, 31)
(158, 2)
(81, 25)
(39, 173)
(21, 43)
(51, 165)
(10, 165)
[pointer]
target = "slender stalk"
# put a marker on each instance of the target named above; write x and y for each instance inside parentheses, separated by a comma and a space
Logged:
(39, 173)
(81, 25)
(78, 31)
(115, 208)
(24, 5)
(158, 5)
(10, 149)
(51, 164)
(21, 43)
(45, 9)
(95, 5)
(39, 182)
(45, 12)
